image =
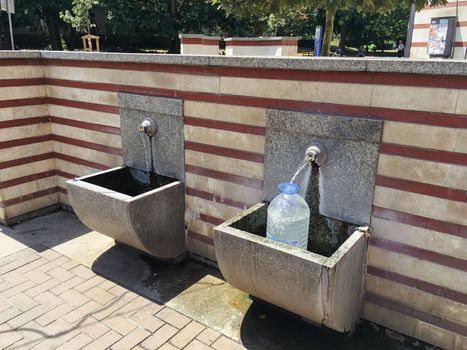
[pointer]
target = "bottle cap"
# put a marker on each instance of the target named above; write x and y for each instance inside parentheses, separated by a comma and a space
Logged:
(288, 188)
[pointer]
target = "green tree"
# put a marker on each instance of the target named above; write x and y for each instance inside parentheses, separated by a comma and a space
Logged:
(331, 7)
(373, 28)
(43, 17)
(78, 17)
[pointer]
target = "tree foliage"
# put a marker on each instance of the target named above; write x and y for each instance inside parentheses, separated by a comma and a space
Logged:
(42, 17)
(132, 25)
(281, 7)
(374, 28)
(78, 16)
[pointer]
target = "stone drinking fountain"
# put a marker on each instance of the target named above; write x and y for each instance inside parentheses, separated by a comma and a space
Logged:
(140, 204)
(323, 284)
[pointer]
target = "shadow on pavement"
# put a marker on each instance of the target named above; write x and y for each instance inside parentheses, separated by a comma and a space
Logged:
(267, 327)
(47, 231)
(157, 280)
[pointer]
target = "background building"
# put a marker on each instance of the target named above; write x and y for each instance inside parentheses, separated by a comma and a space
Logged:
(454, 8)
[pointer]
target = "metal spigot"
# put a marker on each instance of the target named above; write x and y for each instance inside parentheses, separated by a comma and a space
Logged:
(316, 153)
(148, 127)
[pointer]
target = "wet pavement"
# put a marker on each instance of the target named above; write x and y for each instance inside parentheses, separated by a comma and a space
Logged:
(53, 263)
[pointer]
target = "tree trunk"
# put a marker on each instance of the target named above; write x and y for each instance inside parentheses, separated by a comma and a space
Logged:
(174, 40)
(54, 34)
(328, 30)
(4, 36)
(343, 37)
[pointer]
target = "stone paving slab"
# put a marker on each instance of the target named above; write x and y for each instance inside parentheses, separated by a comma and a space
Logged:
(62, 289)
(65, 320)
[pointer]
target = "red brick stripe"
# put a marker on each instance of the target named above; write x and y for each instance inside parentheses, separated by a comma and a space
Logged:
(427, 25)
(417, 314)
(34, 177)
(26, 160)
(199, 41)
(86, 144)
(28, 197)
(420, 221)
(418, 117)
(25, 179)
(83, 105)
(210, 219)
(422, 188)
(437, 119)
(215, 198)
(200, 237)
(65, 174)
(424, 154)
(237, 179)
(25, 141)
(4, 62)
(80, 161)
(427, 287)
(23, 121)
(62, 190)
(23, 102)
(451, 81)
(225, 152)
(425, 44)
(21, 82)
(85, 125)
(221, 125)
(419, 253)
(261, 43)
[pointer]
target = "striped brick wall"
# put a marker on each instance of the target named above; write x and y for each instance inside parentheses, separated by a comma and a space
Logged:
(416, 281)
(422, 28)
(27, 167)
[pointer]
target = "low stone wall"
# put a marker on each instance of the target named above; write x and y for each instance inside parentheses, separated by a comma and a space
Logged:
(259, 46)
(59, 118)
(198, 44)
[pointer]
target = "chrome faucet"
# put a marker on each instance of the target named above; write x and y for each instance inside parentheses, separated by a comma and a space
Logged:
(148, 127)
(316, 153)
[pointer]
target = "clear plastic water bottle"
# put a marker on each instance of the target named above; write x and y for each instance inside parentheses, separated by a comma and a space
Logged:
(288, 217)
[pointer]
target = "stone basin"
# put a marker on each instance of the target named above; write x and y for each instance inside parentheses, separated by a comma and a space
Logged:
(116, 203)
(323, 290)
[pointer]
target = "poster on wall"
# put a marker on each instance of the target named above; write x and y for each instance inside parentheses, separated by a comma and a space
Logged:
(441, 36)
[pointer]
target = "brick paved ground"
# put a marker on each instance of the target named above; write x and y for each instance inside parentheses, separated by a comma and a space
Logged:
(48, 301)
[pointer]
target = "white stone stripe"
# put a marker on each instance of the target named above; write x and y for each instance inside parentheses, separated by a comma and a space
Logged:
(22, 72)
(440, 174)
(449, 245)
(203, 206)
(22, 92)
(29, 187)
(83, 95)
(418, 299)
(227, 139)
(30, 150)
(21, 112)
(425, 136)
(234, 166)
(161, 80)
(227, 113)
(24, 132)
(109, 160)
(423, 205)
(224, 189)
(97, 137)
(27, 169)
(74, 169)
(83, 115)
(419, 269)
(31, 205)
